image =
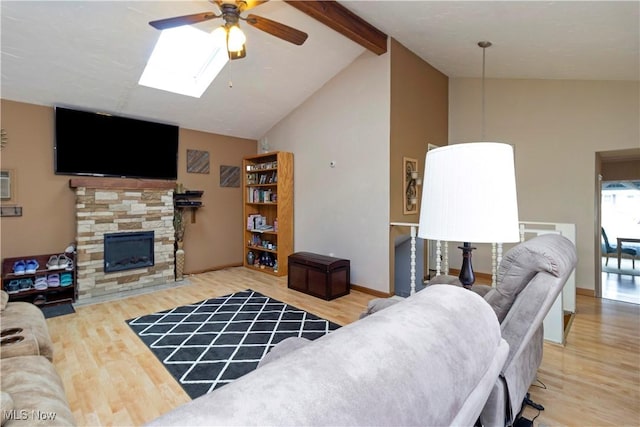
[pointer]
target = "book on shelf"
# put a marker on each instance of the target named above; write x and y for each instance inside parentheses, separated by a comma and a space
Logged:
(256, 195)
(258, 223)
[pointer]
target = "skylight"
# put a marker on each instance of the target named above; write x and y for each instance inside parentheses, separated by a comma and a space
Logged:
(185, 61)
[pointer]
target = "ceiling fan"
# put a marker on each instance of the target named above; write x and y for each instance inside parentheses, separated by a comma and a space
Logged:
(230, 31)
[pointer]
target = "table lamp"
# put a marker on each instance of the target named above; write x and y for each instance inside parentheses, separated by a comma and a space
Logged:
(469, 195)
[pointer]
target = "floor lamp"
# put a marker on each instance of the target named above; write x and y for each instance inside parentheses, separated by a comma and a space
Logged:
(469, 195)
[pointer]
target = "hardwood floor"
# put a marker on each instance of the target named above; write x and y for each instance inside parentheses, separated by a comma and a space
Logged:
(111, 378)
(621, 285)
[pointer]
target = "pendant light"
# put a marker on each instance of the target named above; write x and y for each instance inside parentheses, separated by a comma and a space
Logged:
(471, 191)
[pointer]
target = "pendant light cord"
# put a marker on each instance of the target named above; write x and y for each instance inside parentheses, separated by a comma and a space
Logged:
(484, 45)
(484, 51)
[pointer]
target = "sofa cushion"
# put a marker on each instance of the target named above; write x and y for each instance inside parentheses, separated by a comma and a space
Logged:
(22, 343)
(37, 392)
(519, 265)
(6, 405)
(29, 317)
(378, 304)
(283, 348)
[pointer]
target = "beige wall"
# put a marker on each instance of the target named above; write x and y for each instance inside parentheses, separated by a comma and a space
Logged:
(48, 221)
(343, 210)
(366, 118)
(419, 116)
(557, 127)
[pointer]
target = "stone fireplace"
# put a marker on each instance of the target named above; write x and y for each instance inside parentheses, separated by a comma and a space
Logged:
(123, 207)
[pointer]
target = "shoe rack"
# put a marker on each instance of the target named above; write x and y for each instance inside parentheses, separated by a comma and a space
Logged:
(60, 287)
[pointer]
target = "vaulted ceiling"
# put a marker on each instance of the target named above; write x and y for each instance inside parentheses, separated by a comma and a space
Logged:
(90, 54)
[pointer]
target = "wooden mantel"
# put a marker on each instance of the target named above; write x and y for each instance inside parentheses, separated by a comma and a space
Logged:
(121, 183)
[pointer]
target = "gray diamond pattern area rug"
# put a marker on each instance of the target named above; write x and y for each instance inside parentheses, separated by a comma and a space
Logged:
(210, 343)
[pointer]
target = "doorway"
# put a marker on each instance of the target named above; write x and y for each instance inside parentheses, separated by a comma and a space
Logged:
(618, 217)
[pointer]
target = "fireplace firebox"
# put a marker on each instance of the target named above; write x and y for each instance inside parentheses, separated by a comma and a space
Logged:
(128, 251)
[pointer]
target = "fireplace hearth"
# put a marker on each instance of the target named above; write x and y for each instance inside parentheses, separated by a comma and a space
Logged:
(128, 251)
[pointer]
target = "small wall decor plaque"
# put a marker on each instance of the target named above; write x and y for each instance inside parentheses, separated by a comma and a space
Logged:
(410, 185)
(11, 211)
(229, 176)
(197, 161)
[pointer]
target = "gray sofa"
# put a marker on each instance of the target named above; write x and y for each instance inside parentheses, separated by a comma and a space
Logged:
(431, 359)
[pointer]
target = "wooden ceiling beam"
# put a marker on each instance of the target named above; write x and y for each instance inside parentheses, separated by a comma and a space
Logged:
(334, 15)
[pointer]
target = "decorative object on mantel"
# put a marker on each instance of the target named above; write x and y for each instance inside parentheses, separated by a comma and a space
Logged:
(410, 183)
(229, 176)
(197, 161)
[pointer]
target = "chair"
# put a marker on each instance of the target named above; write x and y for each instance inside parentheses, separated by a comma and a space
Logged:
(530, 277)
(608, 248)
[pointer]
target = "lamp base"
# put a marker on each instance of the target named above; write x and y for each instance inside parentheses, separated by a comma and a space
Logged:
(466, 276)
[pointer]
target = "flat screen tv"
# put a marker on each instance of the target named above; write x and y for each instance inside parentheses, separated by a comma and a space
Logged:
(98, 144)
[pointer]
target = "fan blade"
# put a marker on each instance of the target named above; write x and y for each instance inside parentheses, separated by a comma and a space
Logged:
(163, 24)
(277, 29)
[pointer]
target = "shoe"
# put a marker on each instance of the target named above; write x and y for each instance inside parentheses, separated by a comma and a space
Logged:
(66, 279)
(52, 264)
(53, 280)
(31, 266)
(19, 267)
(40, 300)
(25, 284)
(63, 261)
(12, 287)
(41, 283)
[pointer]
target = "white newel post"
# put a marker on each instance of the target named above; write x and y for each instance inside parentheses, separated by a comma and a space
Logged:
(438, 258)
(412, 264)
(413, 260)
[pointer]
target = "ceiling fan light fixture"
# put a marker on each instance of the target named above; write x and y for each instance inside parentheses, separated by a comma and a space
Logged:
(220, 35)
(238, 54)
(235, 39)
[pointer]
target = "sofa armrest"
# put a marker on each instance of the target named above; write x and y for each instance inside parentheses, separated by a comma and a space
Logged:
(21, 343)
(4, 299)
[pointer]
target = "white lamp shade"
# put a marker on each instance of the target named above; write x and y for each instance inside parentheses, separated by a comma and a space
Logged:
(469, 194)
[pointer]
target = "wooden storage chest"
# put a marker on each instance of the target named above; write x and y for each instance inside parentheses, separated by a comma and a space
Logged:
(319, 275)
